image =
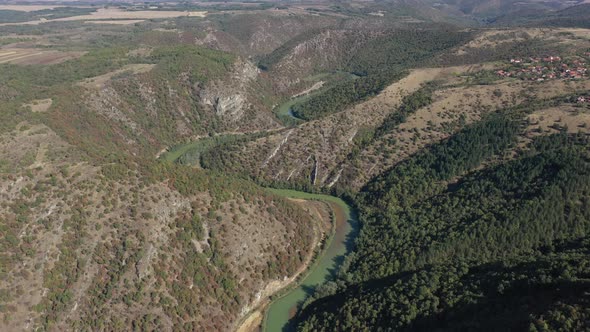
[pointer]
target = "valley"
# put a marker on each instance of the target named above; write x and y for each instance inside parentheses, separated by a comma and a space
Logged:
(336, 246)
(281, 166)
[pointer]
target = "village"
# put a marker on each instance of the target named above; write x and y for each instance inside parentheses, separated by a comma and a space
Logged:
(547, 68)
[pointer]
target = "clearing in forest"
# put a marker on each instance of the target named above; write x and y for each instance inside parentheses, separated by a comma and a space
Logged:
(99, 81)
(40, 106)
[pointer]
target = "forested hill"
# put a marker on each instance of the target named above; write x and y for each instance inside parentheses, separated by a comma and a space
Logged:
(542, 292)
(480, 252)
(379, 61)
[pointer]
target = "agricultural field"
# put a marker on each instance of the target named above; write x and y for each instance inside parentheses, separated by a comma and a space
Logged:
(111, 14)
(32, 56)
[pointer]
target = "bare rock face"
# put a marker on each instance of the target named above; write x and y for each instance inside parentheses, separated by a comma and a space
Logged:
(324, 50)
(228, 96)
(230, 105)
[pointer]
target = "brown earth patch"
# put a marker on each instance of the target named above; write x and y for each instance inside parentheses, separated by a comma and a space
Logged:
(28, 8)
(40, 106)
(98, 82)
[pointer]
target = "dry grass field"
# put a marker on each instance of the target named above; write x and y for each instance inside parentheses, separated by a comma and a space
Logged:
(572, 118)
(455, 107)
(116, 14)
(494, 38)
(118, 22)
(33, 56)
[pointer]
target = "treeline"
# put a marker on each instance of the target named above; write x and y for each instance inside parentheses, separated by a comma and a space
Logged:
(404, 48)
(524, 47)
(409, 105)
(423, 175)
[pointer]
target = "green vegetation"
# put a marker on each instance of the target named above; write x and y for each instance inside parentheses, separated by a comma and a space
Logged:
(178, 70)
(285, 111)
(540, 292)
(387, 199)
(12, 16)
(36, 79)
(421, 224)
(379, 62)
(342, 95)
(203, 64)
(20, 84)
(190, 153)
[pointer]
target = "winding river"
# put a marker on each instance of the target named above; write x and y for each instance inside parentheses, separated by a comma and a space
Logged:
(325, 266)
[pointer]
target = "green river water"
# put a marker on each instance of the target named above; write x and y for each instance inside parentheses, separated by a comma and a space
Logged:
(324, 268)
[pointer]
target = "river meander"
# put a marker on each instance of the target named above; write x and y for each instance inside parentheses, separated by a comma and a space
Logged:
(323, 269)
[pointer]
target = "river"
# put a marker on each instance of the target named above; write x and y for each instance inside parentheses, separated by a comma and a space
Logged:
(325, 266)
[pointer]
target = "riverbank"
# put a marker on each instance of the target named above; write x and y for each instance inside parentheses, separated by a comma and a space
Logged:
(324, 228)
(324, 268)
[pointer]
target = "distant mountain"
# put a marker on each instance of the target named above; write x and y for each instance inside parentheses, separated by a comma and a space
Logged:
(501, 10)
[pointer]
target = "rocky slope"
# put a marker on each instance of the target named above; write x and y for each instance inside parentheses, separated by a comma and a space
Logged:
(108, 249)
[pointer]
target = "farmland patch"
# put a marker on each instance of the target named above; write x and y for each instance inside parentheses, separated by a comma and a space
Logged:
(34, 56)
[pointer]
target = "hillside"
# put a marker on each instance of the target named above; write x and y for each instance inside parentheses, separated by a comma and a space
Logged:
(359, 142)
(420, 231)
(82, 244)
(98, 235)
(536, 292)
